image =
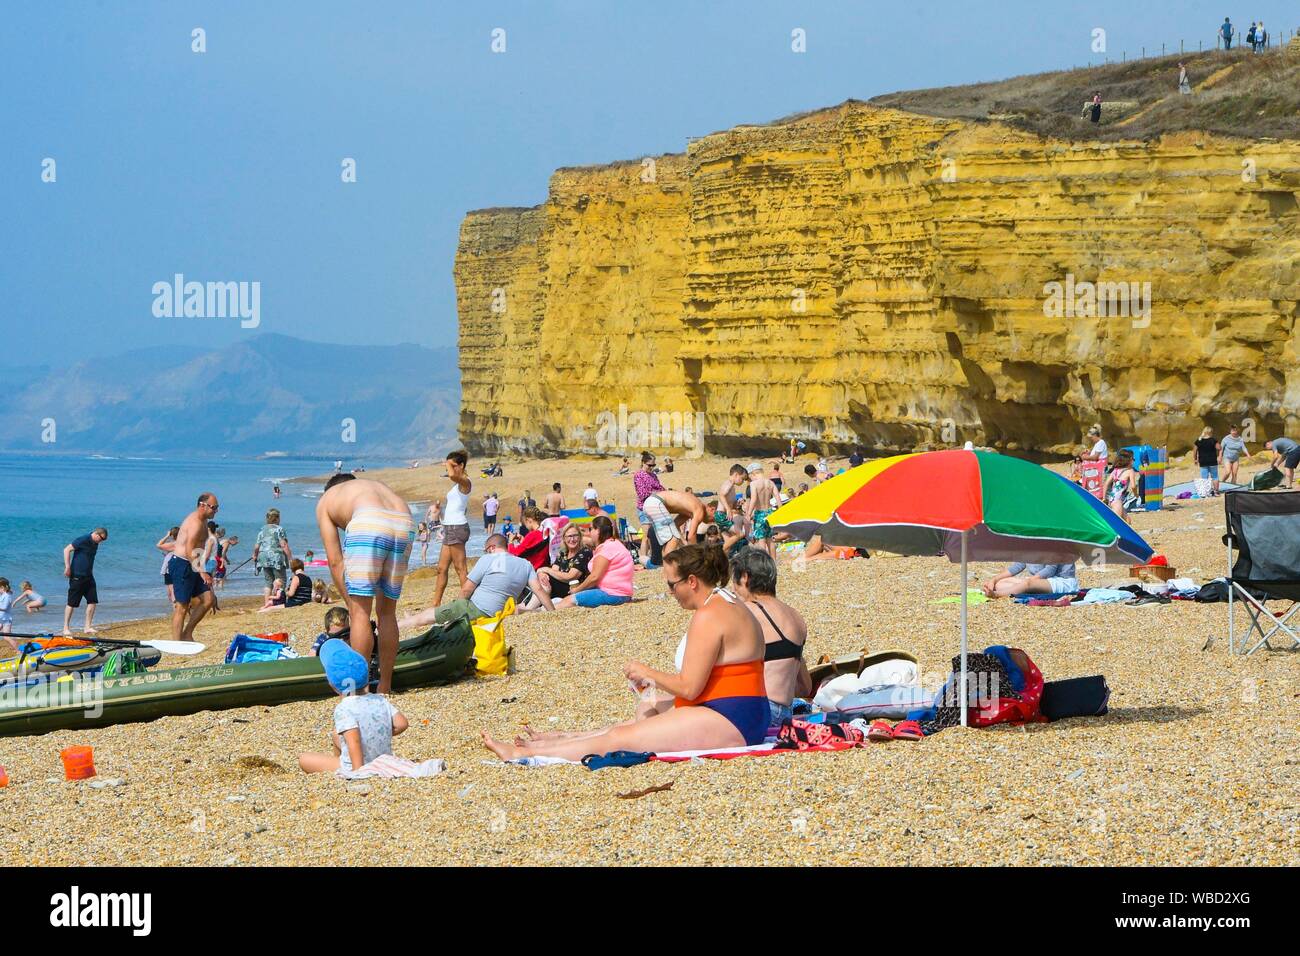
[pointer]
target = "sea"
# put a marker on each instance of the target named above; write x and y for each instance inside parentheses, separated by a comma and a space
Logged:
(47, 500)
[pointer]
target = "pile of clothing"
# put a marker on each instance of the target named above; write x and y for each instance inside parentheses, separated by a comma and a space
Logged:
(1134, 593)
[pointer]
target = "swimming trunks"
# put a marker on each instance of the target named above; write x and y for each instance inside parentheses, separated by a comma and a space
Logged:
(376, 549)
(724, 523)
(661, 520)
(187, 583)
(761, 528)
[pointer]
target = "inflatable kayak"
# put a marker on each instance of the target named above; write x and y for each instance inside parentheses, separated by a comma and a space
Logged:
(81, 701)
(60, 656)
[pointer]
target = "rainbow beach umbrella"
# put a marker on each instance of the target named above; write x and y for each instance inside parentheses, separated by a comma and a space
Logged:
(967, 506)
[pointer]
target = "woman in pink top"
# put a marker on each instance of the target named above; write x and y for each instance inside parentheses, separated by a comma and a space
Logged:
(610, 580)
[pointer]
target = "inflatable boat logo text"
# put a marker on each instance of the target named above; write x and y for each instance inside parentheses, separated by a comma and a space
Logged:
(179, 299)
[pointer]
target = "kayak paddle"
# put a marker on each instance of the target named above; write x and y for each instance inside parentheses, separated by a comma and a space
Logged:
(182, 648)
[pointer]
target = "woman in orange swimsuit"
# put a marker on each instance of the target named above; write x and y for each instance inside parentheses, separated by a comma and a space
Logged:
(719, 699)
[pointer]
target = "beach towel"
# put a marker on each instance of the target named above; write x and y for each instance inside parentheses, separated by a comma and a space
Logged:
(245, 649)
(973, 596)
(1104, 596)
(392, 767)
(1094, 477)
(799, 734)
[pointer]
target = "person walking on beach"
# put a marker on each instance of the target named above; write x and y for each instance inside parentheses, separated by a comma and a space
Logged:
(1208, 455)
(555, 501)
(191, 583)
(763, 500)
(1184, 84)
(368, 559)
(589, 494)
(730, 518)
(422, 537)
(79, 569)
(455, 524)
(491, 505)
(271, 552)
(1231, 450)
(526, 502)
(165, 546)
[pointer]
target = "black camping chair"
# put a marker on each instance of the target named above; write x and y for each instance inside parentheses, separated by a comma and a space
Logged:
(1264, 529)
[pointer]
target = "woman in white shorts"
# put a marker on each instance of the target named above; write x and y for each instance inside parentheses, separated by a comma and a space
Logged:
(661, 520)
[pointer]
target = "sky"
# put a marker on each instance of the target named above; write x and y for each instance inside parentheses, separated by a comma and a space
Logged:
(225, 165)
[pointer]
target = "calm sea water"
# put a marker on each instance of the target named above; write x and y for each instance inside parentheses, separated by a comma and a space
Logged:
(47, 500)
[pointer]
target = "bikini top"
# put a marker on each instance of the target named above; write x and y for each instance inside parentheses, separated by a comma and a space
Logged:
(779, 650)
(725, 680)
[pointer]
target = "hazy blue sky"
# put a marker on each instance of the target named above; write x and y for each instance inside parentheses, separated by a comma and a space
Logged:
(225, 165)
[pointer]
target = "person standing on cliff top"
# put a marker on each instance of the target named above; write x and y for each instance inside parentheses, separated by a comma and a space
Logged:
(1226, 32)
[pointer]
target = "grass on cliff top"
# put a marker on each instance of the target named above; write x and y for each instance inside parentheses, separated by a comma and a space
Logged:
(1258, 97)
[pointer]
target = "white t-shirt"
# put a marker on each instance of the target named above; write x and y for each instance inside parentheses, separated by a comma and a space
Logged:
(6, 602)
(371, 714)
(456, 510)
(1099, 450)
(590, 495)
(491, 506)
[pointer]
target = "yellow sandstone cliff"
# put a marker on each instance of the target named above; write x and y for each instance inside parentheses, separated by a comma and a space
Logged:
(862, 275)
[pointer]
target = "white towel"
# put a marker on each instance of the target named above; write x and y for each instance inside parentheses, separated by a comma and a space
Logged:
(389, 766)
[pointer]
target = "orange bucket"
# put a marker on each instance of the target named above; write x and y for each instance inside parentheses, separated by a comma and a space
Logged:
(78, 763)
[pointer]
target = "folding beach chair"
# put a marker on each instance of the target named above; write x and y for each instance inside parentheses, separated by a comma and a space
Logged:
(1264, 529)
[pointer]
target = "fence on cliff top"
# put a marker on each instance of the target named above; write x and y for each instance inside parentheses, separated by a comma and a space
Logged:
(1275, 44)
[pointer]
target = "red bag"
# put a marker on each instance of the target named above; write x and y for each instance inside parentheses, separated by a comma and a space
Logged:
(1008, 710)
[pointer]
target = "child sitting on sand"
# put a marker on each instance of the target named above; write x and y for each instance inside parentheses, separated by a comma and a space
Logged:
(364, 723)
(275, 600)
(320, 593)
(337, 625)
(34, 601)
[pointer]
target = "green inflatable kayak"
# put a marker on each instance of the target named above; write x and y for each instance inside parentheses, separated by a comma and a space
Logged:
(80, 701)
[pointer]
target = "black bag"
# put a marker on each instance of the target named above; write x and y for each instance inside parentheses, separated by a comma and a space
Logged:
(1076, 697)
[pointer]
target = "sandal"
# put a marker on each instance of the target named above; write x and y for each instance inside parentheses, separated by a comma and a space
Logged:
(880, 731)
(907, 730)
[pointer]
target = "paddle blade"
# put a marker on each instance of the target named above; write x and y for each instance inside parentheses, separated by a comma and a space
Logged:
(184, 648)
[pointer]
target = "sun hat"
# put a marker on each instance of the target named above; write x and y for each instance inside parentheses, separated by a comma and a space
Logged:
(754, 466)
(345, 669)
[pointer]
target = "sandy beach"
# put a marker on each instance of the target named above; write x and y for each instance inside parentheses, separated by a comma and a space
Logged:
(1198, 761)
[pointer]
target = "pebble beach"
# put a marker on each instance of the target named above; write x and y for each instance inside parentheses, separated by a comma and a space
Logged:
(1198, 761)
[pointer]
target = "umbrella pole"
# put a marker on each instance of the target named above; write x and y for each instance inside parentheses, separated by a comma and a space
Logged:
(964, 697)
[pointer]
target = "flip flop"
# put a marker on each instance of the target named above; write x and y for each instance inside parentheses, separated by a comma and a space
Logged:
(880, 731)
(907, 730)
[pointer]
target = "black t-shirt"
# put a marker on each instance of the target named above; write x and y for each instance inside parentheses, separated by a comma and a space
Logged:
(1207, 454)
(302, 595)
(83, 556)
(580, 562)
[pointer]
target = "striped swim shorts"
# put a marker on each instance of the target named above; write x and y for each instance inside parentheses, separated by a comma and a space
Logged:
(376, 548)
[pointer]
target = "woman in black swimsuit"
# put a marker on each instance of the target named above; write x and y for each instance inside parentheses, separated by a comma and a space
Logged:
(753, 576)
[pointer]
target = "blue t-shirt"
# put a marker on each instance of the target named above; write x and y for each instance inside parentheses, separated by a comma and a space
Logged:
(498, 576)
(83, 556)
(1284, 446)
(1045, 570)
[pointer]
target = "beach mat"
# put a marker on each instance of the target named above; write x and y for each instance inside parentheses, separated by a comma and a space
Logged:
(1173, 491)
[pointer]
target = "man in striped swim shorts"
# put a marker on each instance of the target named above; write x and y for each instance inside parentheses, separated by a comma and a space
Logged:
(368, 534)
